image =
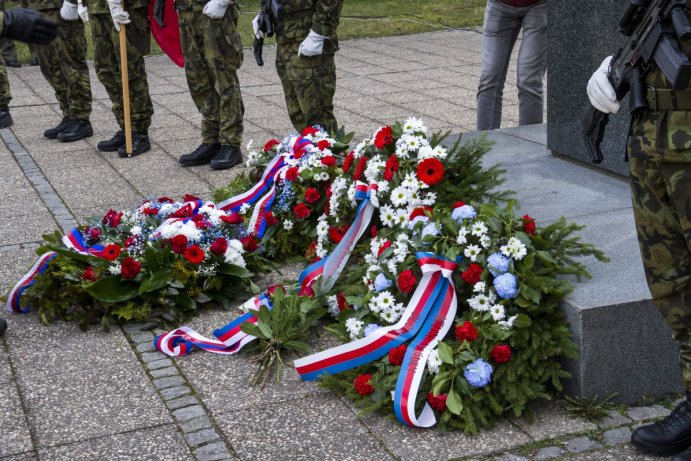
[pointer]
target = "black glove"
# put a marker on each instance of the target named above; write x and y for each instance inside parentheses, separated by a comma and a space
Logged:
(28, 26)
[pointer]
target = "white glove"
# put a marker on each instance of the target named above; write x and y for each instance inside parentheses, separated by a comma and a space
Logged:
(600, 90)
(255, 27)
(119, 15)
(83, 11)
(313, 45)
(215, 9)
(68, 12)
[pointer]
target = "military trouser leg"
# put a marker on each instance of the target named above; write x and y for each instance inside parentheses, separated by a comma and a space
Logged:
(107, 64)
(662, 208)
(63, 64)
(7, 49)
(213, 53)
(5, 96)
(309, 84)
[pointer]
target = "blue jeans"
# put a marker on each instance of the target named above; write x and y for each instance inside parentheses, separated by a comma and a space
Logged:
(501, 28)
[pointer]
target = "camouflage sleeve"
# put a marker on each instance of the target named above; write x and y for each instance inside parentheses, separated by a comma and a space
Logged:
(326, 16)
(2, 23)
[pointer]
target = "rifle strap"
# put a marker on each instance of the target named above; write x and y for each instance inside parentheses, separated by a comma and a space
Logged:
(665, 99)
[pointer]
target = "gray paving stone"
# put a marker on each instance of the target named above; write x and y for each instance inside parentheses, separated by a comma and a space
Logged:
(182, 402)
(175, 392)
(158, 443)
(551, 421)
(16, 437)
(132, 328)
(617, 436)
(195, 424)
(31, 456)
(164, 372)
(581, 444)
(195, 439)
(549, 453)
(145, 347)
(189, 413)
(143, 337)
(159, 364)
(149, 357)
(649, 412)
(613, 419)
(623, 453)
(5, 370)
(212, 451)
(170, 381)
(214, 457)
(510, 457)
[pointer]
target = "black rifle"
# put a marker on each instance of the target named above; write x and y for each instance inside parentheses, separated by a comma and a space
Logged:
(654, 28)
(269, 14)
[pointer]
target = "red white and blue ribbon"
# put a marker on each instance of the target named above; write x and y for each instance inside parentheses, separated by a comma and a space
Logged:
(192, 207)
(15, 296)
(74, 240)
(427, 318)
(267, 180)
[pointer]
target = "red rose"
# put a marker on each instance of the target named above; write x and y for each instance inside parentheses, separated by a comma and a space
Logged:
(130, 268)
(165, 199)
(190, 198)
(406, 281)
(329, 161)
(501, 353)
(219, 246)
(270, 219)
(309, 131)
(184, 211)
(391, 167)
(466, 332)
(472, 274)
(348, 161)
(336, 233)
(458, 204)
(396, 354)
(306, 292)
(301, 211)
(528, 225)
(342, 303)
(233, 218)
(437, 402)
(270, 143)
(111, 252)
(383, 138)
(362, 384)
(92, 234)
(194, 254)
(312, 195)
(421, 211)
(149, 211)
(323, 144)
(292, 173)
(250, 243)
(178, 244)
(430, 171)
(199, 224)
(112, 219)
(360, 168)
(89, 274)
(384, 246)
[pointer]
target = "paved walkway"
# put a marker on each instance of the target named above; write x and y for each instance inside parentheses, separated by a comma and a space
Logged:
(72, 395)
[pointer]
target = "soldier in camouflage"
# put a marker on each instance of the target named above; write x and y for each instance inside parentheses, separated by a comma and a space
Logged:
(63, 64)
(106, 19)
(5, 97)
(307, 41)
(659, 148)
(212, 49)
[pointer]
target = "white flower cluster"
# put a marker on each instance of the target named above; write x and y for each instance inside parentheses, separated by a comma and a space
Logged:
(514, 248)
(332, 304)
(354, 326)
(233, 254)
(212, 213)
(433, 361)
(188, 229)
(338, 186)
(322, 236)
(386, 306)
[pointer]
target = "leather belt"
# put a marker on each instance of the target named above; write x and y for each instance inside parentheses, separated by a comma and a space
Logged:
(664, 99)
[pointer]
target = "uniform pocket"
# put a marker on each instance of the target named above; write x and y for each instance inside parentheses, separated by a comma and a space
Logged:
(679, 130)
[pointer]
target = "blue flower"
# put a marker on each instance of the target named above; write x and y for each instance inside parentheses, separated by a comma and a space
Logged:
(371, 328)
(463, 212)
(381, 283)
(430, 229)
(505, 285)
(498, 263)
(478, 373)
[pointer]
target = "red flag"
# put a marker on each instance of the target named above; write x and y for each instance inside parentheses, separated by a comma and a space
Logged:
(167, 35)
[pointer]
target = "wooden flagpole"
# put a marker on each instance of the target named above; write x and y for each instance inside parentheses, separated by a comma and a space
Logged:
(125, 90)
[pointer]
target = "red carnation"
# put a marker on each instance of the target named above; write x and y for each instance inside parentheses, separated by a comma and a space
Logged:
(219, 246)
(301, 211)
(184, 211)
(472, 274)
(396, 354)
(406, 281)
(194, 254)
(362, 384)
(348, 161)
(250, 243)
(178, 243)
(112, 218)
(150, 211)
(383, 138)
(270, 143)
(528, 224)
(312, 195)
(233, 218)
(421, 211)
(130, 268)
(111, 252)
(391, 167)
(129, 241)
(190, 198)
(373, 231)
(309, 131)
(342, 303)
(466, 332)
(270, 218)
(323, 144)
(329, 161)
(437, 402)
(360, 168)
(501, 353)
(430, 171)
(386, 244)
(458, 204)
(201, 224)
(92, 234)
(336, 233)
(306, 292)
(292, 173)
(165, 199)
(89, 274)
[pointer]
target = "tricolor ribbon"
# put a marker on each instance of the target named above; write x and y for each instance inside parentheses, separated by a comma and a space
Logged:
(15, 296)
(427, 318)
(192, 207)
(74, 240)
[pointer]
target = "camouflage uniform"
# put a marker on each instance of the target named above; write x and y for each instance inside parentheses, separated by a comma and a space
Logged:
(660, 155)
(5, 96)
(309, 83)
(63, 62)
(107, 60)
(213, 53)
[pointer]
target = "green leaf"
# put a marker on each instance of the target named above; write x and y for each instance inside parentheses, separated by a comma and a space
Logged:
(297, 346)
(453, 403)
(445, 353)
(231, 269)
(113, 290)
(185, 302)
(522, 321)
(156, 281)
(265, 329)
(252, 330)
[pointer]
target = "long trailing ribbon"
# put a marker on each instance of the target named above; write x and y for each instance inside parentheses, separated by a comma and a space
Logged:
(15, 296)
(427, 318)
(74, 240)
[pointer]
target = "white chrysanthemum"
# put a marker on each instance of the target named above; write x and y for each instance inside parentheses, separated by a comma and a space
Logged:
(414, 125)
(515, 249)
(351, 193)
(492, 296)
(391, 265)
(400, 251)
(433, 362)
(497, 312)
(322, 227)
(411, 182)
(472, 252)
(375, 166)
(374, 305)
(485, 241)
(385, 300)
(115, 269)
(234, 257)
(402, 217)
(354, 326)
(382, 186)
(390, 316)
(479, 287)
(430, 199)
(374, 198)
(508, 323)
(188, 229)
(387, 216)
(357, 152)
(439, 152)
(136, 230)
(462, 238)
(479, 302)
(212, 213)
(478, 229)
(401, 149)
(245, 208)
(400, 196)
(288, 224)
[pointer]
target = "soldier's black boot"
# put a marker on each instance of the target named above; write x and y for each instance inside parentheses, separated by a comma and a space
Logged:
(34, 61)
(76, 130)
(227, 157)
(200, 156)
(13, 63)
(5, 117)
(140, 144)
(112, 144)
(3, 326)
(667, 437)
(52, 133)
(683, 456)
